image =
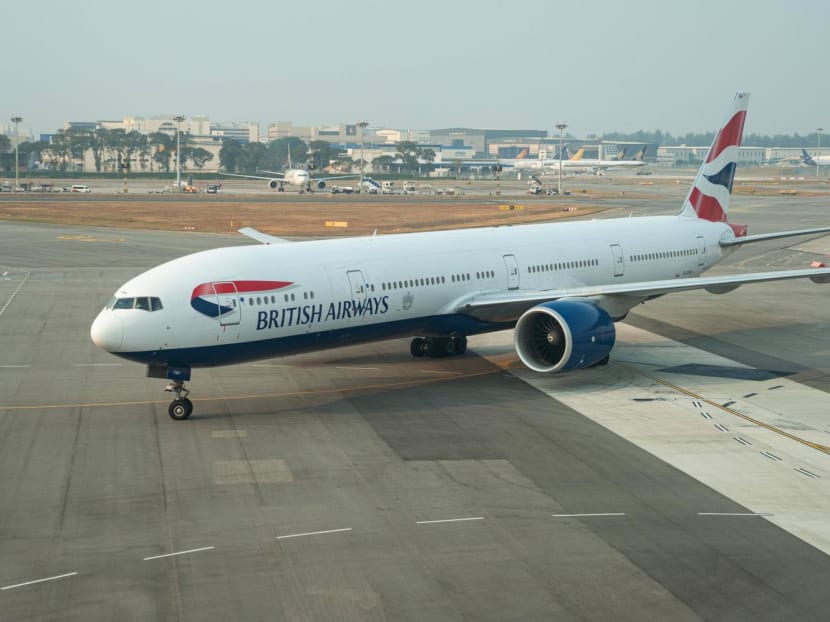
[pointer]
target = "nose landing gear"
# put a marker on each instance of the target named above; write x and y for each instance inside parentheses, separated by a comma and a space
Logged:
(181, 407)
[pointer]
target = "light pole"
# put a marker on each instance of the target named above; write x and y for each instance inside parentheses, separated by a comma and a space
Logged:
(362, 125)
(178, 119)
(16, 119)
(561, 127)
(819, 130)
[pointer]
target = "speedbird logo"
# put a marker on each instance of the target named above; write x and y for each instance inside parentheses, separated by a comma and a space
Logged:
(211, 298)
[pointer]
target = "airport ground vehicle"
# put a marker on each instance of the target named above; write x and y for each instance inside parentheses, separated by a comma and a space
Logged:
(80, 188)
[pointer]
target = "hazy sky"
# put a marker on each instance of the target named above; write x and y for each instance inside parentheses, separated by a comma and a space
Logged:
(599, 66)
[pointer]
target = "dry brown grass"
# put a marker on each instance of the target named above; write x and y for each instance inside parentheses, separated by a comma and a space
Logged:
(301, 218)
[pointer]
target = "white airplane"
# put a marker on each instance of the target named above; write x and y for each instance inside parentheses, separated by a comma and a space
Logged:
(561, 286)
(542, 164)
(593, 165)
(298, 177)
(812, 160)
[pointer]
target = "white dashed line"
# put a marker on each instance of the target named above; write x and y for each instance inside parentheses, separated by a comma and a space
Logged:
(60, 576)
(97, 365)
(807, 473)
(359, 368)
(204, 548)
(588, 515)
(14, 293)
(447, 373)
(771, 456)
(735, 514)
(312, 533)
(448, 520)
(14, 366)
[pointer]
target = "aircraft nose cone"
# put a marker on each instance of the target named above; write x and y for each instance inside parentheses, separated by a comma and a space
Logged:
(107, 331)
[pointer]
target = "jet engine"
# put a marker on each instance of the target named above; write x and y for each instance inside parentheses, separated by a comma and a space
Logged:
(321, 184)
(273, 184)
(563, 335)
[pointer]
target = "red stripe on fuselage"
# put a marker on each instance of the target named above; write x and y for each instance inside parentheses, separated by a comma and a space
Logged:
(230, 287)
(730, 134)
(706, 207)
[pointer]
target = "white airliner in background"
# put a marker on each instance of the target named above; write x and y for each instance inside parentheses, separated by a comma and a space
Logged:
(812, 160)
(541, 164)
(298, 177)
(561, 286)
(594, 165)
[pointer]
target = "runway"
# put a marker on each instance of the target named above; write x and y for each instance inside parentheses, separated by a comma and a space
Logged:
(363, 484)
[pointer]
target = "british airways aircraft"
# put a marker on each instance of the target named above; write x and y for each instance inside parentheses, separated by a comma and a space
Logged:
(560, 286)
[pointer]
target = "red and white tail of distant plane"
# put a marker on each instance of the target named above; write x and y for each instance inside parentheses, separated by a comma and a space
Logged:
(560, 286)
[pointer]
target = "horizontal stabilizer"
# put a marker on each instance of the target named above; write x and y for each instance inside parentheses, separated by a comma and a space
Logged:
(264, 238)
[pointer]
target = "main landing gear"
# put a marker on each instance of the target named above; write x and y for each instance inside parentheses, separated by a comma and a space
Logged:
(435, 347)
(181, 407)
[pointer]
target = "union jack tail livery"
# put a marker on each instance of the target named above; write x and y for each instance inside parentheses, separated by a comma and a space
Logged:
(709, 195)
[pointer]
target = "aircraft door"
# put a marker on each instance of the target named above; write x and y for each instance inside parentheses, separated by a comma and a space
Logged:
(618, 260)
(357, 285)
(227, 301)
(358, 293)
(701, 251)
(512, 267)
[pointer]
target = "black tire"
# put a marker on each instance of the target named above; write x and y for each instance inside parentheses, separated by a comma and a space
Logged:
(460, 345)
(417, 347)
(180, 409)
(449, 347)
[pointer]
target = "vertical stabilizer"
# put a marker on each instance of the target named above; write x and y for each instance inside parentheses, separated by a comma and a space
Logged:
(712, 189)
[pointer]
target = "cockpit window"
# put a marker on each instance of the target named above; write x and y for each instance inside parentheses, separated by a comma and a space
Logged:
(143, 303)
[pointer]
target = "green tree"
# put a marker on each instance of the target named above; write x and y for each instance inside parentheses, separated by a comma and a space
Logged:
(277, 157)
(6, 153)
(229, 155)
(59, 149)
(163, 147)
(408, 153)
(383, 163)
(251, 157)
(326, 153)
(200, 157)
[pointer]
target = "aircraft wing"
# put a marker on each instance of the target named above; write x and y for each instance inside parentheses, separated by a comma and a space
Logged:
(259, 236)
(508, 306)
(772, 236)
(274, 176)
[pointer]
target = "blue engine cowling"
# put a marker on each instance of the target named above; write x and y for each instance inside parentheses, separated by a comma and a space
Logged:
(321, 184)
(563, 335)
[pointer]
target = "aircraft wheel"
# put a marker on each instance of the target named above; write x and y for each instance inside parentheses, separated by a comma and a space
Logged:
(418, 347)
(460, 345)
(180, 409)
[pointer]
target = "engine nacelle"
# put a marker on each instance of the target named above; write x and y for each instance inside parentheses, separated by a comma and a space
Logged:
(321, 184)
(273, 184)
(563, 335)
